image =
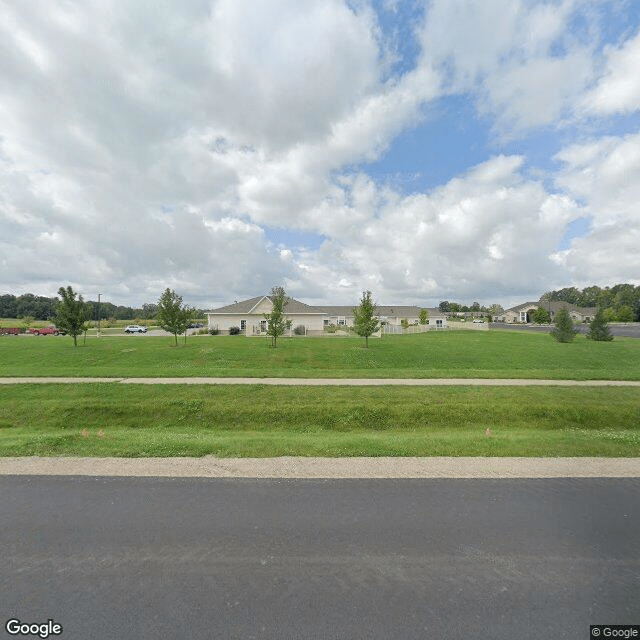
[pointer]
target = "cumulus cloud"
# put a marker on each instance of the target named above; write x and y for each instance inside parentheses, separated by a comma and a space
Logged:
(519, 59)
(491, 230)
(145, 146)
(605, 175)
(618, 89)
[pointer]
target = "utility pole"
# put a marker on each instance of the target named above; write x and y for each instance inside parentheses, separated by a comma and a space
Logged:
(99, 314)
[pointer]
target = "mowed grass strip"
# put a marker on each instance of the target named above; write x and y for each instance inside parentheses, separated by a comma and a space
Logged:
(263, 421)
(453, 354)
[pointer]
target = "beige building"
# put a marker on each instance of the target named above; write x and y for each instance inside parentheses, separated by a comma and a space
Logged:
(523, 313)
(248, 316)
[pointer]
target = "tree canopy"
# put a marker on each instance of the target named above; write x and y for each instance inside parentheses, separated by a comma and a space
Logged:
(599, 329)
(276, 323)
(622, 299)
(173, 316)
(563, 330)
(71, 314)
(364, 317)
(541, 316)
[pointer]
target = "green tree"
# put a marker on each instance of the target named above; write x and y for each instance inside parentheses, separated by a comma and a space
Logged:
(624, 313)
(364, 317)
(149, 311)
(541, 316)
(423, 316)
(276, 322)
(563, 330)
(172, 315)
(71, 314)
(599, 329)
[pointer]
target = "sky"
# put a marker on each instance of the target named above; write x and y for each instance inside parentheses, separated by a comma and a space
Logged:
(423, 150)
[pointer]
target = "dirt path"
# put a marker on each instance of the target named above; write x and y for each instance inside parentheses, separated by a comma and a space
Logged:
(334, 382)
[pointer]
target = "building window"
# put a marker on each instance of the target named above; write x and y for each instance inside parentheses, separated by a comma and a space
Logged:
(438, 323)
(243, 325)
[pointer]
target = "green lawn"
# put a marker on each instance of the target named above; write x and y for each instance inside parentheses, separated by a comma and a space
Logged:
(455, 354)
(258, 420)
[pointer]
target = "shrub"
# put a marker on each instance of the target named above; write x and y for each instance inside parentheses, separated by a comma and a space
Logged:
(563, 330)
(599, 329)
(214, 332)
(234, 331)
(541, 316)
(300, 330)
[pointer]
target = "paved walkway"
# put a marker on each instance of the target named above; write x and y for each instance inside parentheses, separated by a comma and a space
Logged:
(292, 467)
(335, 382)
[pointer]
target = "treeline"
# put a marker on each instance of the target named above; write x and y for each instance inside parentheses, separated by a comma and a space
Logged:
(41, 308)
(455, 307)
(620, 302)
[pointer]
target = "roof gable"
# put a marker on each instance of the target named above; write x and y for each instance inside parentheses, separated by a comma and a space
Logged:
(264, 304)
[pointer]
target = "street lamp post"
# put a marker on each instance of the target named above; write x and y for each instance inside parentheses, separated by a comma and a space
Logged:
(99, 314)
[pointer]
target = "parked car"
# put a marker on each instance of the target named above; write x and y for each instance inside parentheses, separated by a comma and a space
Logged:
(47, 331)
(135, 328)
(478, 321)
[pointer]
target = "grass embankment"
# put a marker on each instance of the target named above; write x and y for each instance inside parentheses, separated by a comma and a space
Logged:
(459, 354)
(259, 420)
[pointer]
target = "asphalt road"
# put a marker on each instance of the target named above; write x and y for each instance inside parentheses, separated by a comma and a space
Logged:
(631, 330)
(142, 558)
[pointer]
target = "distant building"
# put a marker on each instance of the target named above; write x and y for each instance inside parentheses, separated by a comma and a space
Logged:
(248, 316)
(523, 313)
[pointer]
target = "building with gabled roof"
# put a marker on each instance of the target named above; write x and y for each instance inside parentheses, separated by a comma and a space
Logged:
(524, 312)
(248, 315)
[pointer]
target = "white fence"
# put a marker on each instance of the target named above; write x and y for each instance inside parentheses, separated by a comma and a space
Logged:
(412, 328)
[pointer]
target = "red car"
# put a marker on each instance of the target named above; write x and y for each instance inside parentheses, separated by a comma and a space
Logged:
(46, 331)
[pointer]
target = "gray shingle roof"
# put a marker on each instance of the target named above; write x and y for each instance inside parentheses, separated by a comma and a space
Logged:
(381, 310)
(295, 306)
(246, 306)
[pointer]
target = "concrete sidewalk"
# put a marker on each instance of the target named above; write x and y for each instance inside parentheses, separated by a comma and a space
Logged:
(336, 382)
(295, 467)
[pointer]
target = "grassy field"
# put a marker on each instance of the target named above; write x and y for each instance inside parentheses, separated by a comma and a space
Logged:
(258, 420)
(455, 354)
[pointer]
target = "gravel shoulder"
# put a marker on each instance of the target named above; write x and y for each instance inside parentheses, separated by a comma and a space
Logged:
(294, 467)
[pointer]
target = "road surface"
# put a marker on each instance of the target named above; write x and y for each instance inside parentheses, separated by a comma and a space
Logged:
(143, 558)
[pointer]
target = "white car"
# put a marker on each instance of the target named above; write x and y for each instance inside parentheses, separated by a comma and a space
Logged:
(135, 328)
(478, 322)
